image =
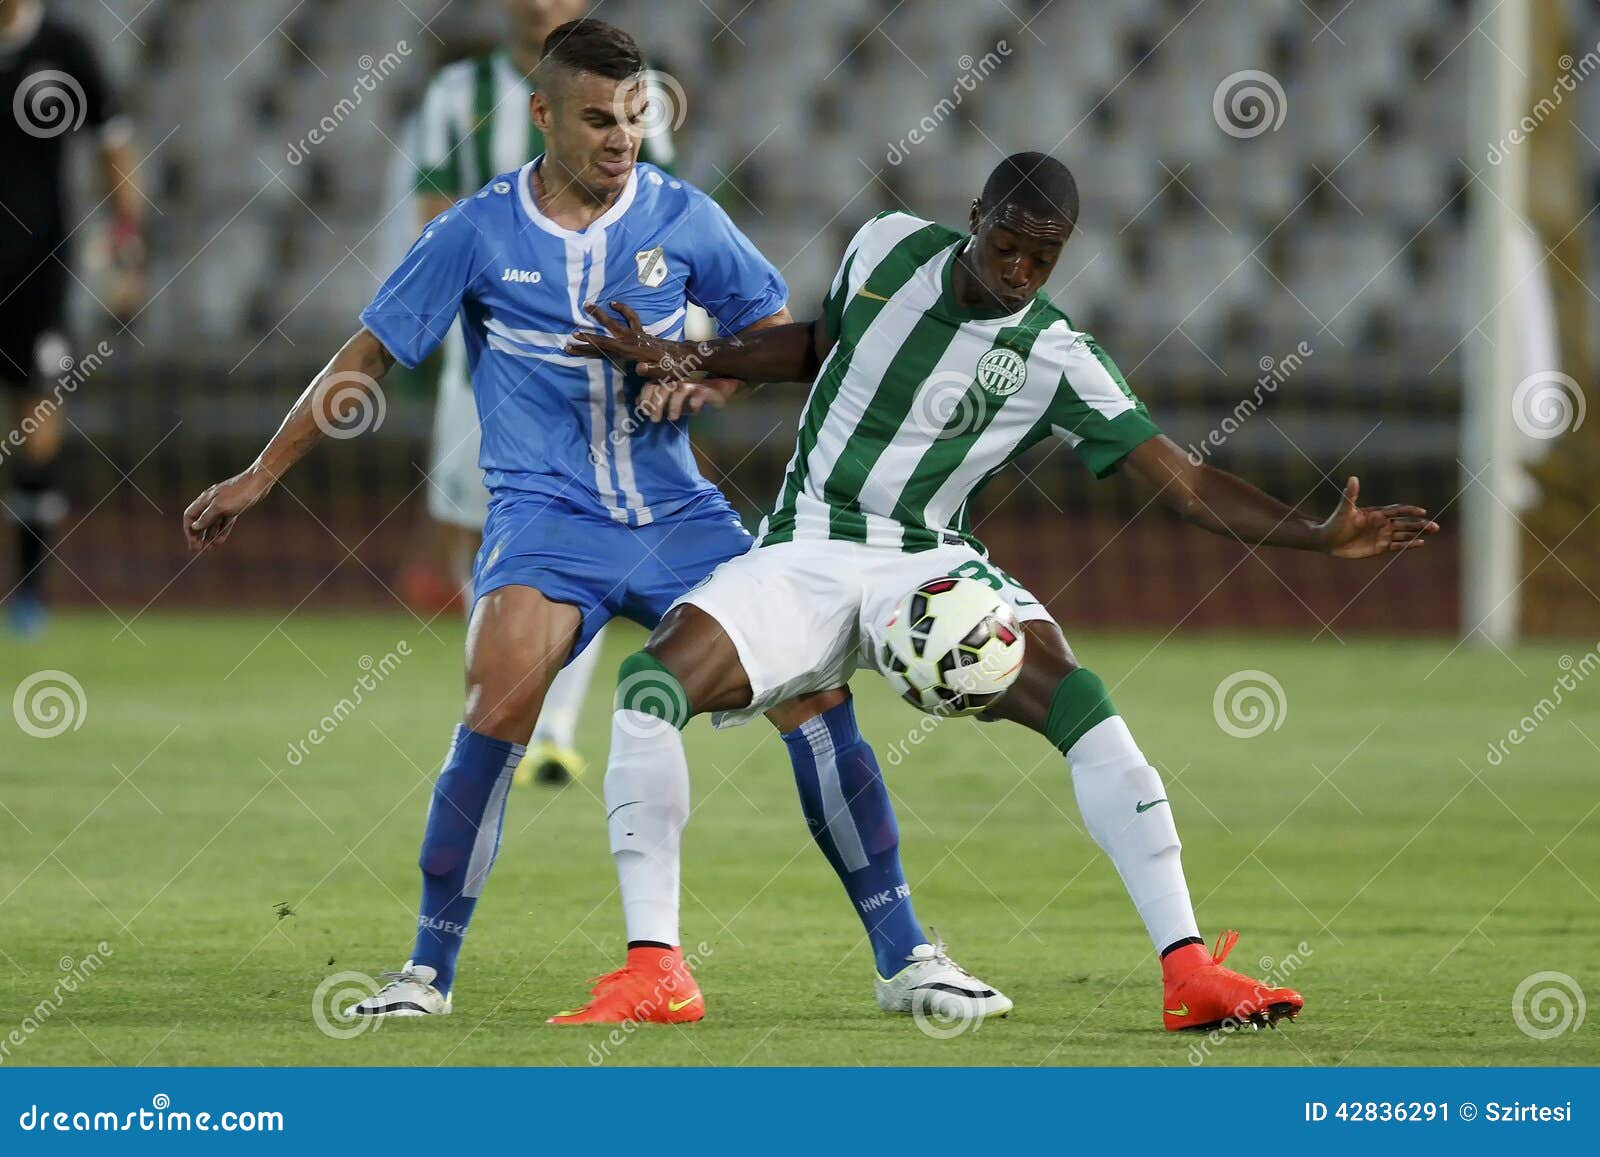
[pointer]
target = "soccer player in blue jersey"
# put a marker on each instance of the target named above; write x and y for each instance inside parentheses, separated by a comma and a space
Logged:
(594, 513)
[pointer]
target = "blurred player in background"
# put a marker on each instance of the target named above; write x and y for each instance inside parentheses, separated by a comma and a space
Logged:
(51, 87)
(473, 124)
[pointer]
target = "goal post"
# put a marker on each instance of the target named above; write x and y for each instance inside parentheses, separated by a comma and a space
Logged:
(1491, 538)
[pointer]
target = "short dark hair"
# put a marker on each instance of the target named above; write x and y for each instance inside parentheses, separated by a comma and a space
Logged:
(587, 45)
(1037, 183)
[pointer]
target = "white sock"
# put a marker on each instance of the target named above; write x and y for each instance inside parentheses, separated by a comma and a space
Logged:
(1112, 781)
(558, 718)
(647, 806)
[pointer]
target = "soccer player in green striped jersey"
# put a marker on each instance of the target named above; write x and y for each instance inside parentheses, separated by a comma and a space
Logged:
(936, 361)
(474, 124)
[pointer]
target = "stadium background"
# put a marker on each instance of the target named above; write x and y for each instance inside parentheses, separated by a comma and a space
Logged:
(1317, 238)
(1403, 828)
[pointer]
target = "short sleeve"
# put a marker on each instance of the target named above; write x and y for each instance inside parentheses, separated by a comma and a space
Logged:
(848, 279)
(1095, 411)
(438, 138)
(729, 278)
(415, 307)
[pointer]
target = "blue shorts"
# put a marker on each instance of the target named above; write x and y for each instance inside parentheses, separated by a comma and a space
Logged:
(602, 567)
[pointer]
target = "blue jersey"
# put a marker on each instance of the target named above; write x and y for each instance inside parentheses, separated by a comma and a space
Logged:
(554, 425)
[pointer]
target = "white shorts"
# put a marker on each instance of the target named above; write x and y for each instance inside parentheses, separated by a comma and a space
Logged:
(804, 616)
(456, 494)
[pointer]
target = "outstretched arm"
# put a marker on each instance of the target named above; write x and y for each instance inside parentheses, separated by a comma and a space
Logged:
(668, 399)
(1226, 504)
(775, 350)
(346, 382)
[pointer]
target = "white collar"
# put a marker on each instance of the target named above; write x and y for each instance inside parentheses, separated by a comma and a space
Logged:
(599, 224)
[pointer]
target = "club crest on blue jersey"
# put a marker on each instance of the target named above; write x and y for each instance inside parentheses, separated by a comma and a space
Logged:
(652, 265)
(554, 424)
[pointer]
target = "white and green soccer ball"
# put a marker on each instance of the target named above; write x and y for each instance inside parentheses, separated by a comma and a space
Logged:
(952, 646)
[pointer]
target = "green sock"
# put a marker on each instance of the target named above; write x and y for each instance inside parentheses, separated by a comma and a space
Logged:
(644, 684)
(1079, 703)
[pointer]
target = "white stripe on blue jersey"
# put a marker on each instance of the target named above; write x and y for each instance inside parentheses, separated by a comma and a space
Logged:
(554, 424)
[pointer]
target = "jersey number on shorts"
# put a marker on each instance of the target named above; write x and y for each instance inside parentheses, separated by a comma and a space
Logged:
(994, 577)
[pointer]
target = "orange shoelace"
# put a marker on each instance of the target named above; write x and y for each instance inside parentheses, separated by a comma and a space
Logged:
(1224, 945)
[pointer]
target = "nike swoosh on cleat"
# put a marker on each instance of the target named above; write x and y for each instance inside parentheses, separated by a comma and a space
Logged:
(941, 986)
(1141, 808)
(396, 1006)
(680, 1005)
(620, 806)
(1181, 1010)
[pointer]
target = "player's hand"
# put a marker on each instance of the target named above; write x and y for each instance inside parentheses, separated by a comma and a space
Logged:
(209, 519)
(627, 341)
(1353, 531)
(667, 401)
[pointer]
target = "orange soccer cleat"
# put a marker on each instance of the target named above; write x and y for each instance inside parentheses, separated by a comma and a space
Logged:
(1201, 995)
(654, 987)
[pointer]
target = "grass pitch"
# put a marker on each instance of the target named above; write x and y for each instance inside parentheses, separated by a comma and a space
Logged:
(1366, 844)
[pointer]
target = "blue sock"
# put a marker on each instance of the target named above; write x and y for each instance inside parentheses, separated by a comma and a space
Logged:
(844, 799)
(460, 843)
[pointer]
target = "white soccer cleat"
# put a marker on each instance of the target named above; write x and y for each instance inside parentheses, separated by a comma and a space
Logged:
(934, 985)
(409, 992)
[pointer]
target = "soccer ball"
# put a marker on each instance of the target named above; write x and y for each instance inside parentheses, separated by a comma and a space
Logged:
(952, 646)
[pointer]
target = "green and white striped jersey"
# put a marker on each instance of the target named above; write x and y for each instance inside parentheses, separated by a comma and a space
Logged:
(920, 402)
(474, 125)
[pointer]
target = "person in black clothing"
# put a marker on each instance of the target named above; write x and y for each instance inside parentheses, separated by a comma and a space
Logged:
(51, 88)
